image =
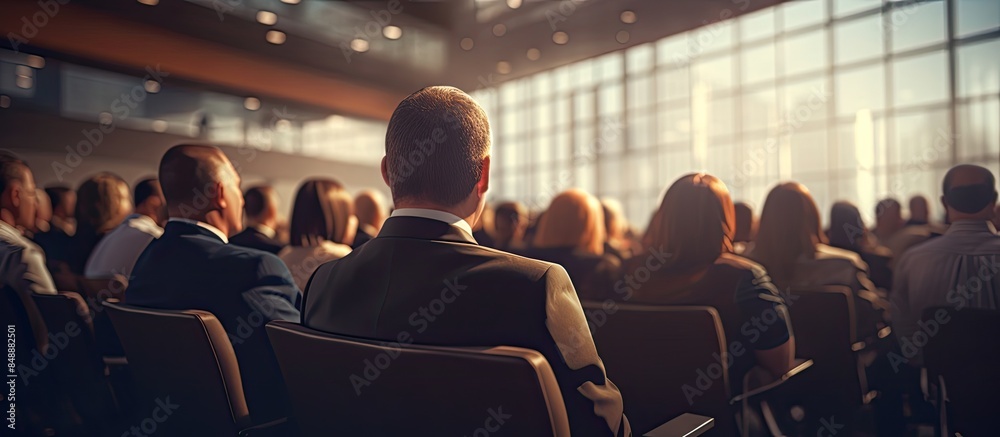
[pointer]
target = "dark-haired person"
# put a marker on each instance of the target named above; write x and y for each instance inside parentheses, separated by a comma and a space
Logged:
(691, 243)
(57, 241)
(617, 242)
(322, 228)
(746, 227)
(571, 234)
(23, 262)
(847, 231)
(888, 220)
(371, 213)
(920, 211)
(510, 221)
(192, 266)
(426, 251)
(119, 249)
(959, 268)
(103, 203)
(262, 221)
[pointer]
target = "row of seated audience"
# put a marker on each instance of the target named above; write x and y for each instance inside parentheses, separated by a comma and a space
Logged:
(348, 269)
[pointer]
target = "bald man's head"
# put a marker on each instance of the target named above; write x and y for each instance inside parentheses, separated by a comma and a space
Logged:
(370, 208)
(969, 192)
(198, 183)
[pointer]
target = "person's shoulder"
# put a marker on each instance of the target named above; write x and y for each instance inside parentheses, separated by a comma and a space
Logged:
(514, 263)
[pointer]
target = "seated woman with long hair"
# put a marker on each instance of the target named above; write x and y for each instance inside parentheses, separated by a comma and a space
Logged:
(571, 234)
(322, 228)
(792, 246)
(690, 244)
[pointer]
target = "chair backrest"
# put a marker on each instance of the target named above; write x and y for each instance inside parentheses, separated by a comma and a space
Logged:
(667, 360)
(964, 352)
(823, 322)
(344, 386)
(183, 358)
(75, 358)
(96, 292)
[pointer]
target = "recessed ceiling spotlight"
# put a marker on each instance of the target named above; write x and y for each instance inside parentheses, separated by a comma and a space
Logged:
(359, 45)
(628, 17)
(467, 44)
(152, 86)
(513, 4)
(392, 32)
(560, 37)
(267, 18)
(500, 29)
(23, 71)
(4, 101)
(534, 54)
(251, 103)
(503, 67)
(105, 118)
(149, 2)
(160, 126)
(290, 2)
(276, 37)
(36, 62)
(24, 82)
(283, 125)
(622, 36)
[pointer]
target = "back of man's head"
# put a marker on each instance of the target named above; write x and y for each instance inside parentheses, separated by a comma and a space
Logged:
(435, 145)
(148, 199)
(969, 192)
(188, 171)
(17, 191)
(261, 203)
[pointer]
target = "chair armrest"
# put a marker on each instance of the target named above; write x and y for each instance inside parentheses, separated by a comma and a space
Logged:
(757, 387)
(685, 425)
(276, 428)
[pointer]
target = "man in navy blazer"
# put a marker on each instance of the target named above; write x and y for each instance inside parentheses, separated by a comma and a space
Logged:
(192, 266)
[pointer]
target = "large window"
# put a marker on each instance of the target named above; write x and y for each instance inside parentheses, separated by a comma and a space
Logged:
(857, 99)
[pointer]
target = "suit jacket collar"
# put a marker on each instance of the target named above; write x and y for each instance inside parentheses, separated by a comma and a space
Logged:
(424, 229)
(181, 228)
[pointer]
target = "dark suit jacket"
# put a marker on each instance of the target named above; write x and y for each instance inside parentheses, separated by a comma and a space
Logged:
(593, 275)
(432, 281)
(255, 239)
(189, 267)
(361, 237)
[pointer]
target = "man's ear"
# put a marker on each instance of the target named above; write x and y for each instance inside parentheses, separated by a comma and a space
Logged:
(484, 179)
(385, 172)
(219, 196)
(16, 192)
(945, 203)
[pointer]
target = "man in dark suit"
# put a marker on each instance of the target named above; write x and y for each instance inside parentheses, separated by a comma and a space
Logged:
(191, 266)
(262, 219)
(425, 276)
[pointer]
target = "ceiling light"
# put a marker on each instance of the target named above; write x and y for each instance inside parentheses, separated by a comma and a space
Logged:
(514, 4)
(359, 45)
(267, 18)
(275, 37)
(392, 32)
(560, 37)
(251, 103)
(467, 44)
(500, 29)
(152, 86)
(503, 67)
(4, 101)
(36, 62)
(105, 118)
(23, 71)
(149, 2)
(622, 37)
(160, 126)
(290, 2)
(283, 125)
(24, 82)
(534, 54)
(627, 17)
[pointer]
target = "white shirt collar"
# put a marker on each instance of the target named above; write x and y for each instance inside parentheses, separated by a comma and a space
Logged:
(268, 231)
(204, 225)
(434, 214)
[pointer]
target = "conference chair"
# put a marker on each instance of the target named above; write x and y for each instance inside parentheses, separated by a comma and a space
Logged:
(344, 386)
(186, 373)
(74, 358)
(960, 359)
(95, 292)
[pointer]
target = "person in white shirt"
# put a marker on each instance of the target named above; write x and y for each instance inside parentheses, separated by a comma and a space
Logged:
(119, 249)
(23, 261)
(322, 229)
